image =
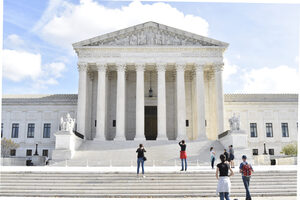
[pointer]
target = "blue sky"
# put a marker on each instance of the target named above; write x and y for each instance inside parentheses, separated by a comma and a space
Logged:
(263, 55)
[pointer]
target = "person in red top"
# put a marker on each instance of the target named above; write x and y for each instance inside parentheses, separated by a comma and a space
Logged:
(183, 155)
(246, 171)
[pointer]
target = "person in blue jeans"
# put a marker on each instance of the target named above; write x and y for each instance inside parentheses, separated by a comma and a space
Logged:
(183, 155)
(246, 170)
(224, 184)
(140, 159)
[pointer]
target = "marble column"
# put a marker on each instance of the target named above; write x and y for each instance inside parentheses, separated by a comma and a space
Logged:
(82, 94)
(181, 107)
(200, 101)
(219, 98)
(140, 103)
(120, 111)
(161, 102)
(101, 102)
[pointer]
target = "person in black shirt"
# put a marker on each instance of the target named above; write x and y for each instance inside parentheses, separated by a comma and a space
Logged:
(183, 155)
(226, 155)
(223, 178)
(140, 158)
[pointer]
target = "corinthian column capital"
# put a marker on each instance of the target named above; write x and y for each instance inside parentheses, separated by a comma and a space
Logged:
(161, 67)
(219, 67)
(82, 66)
(199, 67)
(101, 67)
(140, 67)
(121, 67)
(180, 67)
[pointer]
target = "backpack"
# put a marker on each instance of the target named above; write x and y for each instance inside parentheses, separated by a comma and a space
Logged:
(247, 170)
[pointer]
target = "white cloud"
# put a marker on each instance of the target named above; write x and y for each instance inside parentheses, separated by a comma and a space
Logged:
(229, 69)
(14, 41)
(281, 79)
(18, 65)
(71, 23)
(21, 65)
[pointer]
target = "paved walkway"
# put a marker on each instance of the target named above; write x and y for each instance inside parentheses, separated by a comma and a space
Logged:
(214, 198)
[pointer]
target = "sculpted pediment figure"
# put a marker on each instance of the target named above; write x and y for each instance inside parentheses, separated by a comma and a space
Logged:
(150, 34)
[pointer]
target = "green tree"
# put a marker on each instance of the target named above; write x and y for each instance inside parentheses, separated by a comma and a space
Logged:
(6, 146)
(290, 149)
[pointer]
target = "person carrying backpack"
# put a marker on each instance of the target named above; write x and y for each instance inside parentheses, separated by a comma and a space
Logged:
(246, 170)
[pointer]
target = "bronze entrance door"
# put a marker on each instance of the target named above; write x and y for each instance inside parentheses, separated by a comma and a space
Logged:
(150, 122)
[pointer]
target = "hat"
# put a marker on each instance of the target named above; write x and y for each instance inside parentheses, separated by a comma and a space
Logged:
(244, 157)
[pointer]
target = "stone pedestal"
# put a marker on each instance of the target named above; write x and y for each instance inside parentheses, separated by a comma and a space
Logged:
(66, 144)
(239, 140)
(262, 160)
(38, 160)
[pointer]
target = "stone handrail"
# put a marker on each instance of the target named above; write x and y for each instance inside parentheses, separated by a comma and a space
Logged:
(223, 134)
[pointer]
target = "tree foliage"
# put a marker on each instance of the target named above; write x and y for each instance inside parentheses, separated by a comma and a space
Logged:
(290, 149)
(6, 146)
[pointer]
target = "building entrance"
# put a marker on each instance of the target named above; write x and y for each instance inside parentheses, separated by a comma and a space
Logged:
(151, 122)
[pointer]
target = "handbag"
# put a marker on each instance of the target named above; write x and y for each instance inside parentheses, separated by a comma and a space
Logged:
(144, 158)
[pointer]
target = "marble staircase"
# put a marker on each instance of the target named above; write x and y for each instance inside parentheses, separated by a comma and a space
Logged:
(123, 153)
(99, 184)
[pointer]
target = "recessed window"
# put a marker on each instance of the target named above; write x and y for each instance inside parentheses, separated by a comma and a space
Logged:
(15, 130)
(12, 152)
(114, 123)
(45, 152)
(255, 152)
(29, 152)
(285, 129)
(269, 130)
(187, 123)
(47, 128)
(271, 151)
(30, 131)
(253, 129)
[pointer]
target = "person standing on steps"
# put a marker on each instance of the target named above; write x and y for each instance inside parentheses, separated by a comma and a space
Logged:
(212, 157)
(183, 155)
(226, 155)
(231, 156)
(140, 159)
(224, 184)
(246, 170)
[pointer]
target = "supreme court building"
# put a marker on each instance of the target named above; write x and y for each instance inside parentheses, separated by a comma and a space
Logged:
(149, 82)
(169, 77)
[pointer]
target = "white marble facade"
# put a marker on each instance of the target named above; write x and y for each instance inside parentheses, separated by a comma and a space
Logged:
(114, 77)
(185, 72)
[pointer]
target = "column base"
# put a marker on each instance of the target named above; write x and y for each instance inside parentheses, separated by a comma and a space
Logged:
(139, 139)
(119, 139)
(162, 139)
(99, 139)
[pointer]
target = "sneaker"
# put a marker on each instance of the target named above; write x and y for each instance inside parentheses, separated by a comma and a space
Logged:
(144, 176)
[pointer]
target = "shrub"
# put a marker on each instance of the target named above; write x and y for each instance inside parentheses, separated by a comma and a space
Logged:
(290, 149)
(6, 146)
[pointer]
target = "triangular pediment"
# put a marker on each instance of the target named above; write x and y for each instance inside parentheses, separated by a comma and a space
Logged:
(150, 34)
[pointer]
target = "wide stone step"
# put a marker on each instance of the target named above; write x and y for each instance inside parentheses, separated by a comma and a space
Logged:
(91, 195)
(149, 184)
(138, 187)
(128, 185)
